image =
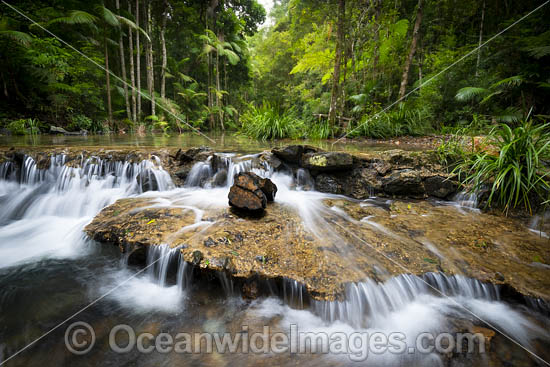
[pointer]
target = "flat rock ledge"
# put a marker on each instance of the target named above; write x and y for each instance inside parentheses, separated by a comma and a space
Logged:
(363, 241)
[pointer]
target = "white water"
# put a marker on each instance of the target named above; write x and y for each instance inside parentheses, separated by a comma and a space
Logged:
(44, 213)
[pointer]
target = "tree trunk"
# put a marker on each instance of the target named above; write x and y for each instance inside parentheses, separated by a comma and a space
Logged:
(107, 80)
(218, 89)
(123, 66)
(480, 38)
(163, 45)
(337, 60)
(132, 68)
(149, 59)
(138, 65)
(376, 38)
(209, 90)
(405, 77)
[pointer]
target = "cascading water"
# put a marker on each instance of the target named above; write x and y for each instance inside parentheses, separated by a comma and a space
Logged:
(45, 210)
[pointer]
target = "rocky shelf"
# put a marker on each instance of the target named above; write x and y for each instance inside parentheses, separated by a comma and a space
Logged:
(355, 241)
(354, 237)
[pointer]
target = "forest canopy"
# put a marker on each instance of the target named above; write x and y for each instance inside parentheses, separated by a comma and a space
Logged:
(316, 69)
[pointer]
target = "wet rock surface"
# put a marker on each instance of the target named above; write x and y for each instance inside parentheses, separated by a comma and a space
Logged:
(251, 192)
(352, 241)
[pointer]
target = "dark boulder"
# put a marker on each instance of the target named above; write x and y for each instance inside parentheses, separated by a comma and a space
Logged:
(268, 188)
(147, 181)
(244, 199)
(404, 182)
(220, 178)
(290, 153)
(247, 192)
(440, 187)
(293, 153)
(328, 183)
(327, 161)
(192, 154)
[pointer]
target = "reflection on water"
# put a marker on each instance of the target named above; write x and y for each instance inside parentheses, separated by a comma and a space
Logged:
(227, 142)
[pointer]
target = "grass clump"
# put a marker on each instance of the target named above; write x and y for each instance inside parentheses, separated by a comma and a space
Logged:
(513, 165)
(268, 122)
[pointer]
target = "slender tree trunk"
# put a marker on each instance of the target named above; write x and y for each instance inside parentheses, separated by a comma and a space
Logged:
(132, 67)
(338, 59)
(209, 89)
(123, 66)
(138, 64)
(107, 80)
(376, 39)
(164, 59)
(405, 77)
(149, 59)
(218, 89)
(480, 38)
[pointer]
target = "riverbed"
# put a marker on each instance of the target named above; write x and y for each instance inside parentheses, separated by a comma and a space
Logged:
(52, 275)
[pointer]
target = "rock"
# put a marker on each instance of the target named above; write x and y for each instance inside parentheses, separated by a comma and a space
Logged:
(404, 182)
(218, 163)
(441, 187)
(191, 154)
(253, 199)
(327, 183)
(290, 153)
(220, 178)
(57, 130)
(293, 153)
(268, 188)
(250, 290)
(147, 181)
(251, 192)
(183, 172)
(267, 161)
(328, 161)
(60, 130)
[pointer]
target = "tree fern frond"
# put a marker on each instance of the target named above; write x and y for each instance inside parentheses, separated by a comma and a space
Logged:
(512, 81)
(539, 52)
(19, 37)
(470, 93)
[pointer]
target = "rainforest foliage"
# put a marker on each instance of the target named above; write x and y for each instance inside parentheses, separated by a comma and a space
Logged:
(315, 68)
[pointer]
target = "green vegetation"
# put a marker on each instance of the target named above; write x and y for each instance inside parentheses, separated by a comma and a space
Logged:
(318, 69)
(512, 164)
(267, 122)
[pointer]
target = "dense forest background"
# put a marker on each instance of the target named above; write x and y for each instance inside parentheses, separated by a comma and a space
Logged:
(320, 69)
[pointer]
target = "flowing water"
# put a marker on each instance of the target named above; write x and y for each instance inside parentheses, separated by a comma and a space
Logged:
(49, 270)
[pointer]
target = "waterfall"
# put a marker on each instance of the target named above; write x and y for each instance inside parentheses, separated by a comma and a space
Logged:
(369, 301)
(164, 260)
(44, 210)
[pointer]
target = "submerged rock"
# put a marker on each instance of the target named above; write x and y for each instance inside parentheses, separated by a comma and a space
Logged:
(251, 192)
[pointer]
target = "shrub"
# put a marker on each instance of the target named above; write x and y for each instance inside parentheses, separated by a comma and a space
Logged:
(24, 127)
(318, 130)
(267, 122)
(81, 122)
(403, 121)
(512, 165)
